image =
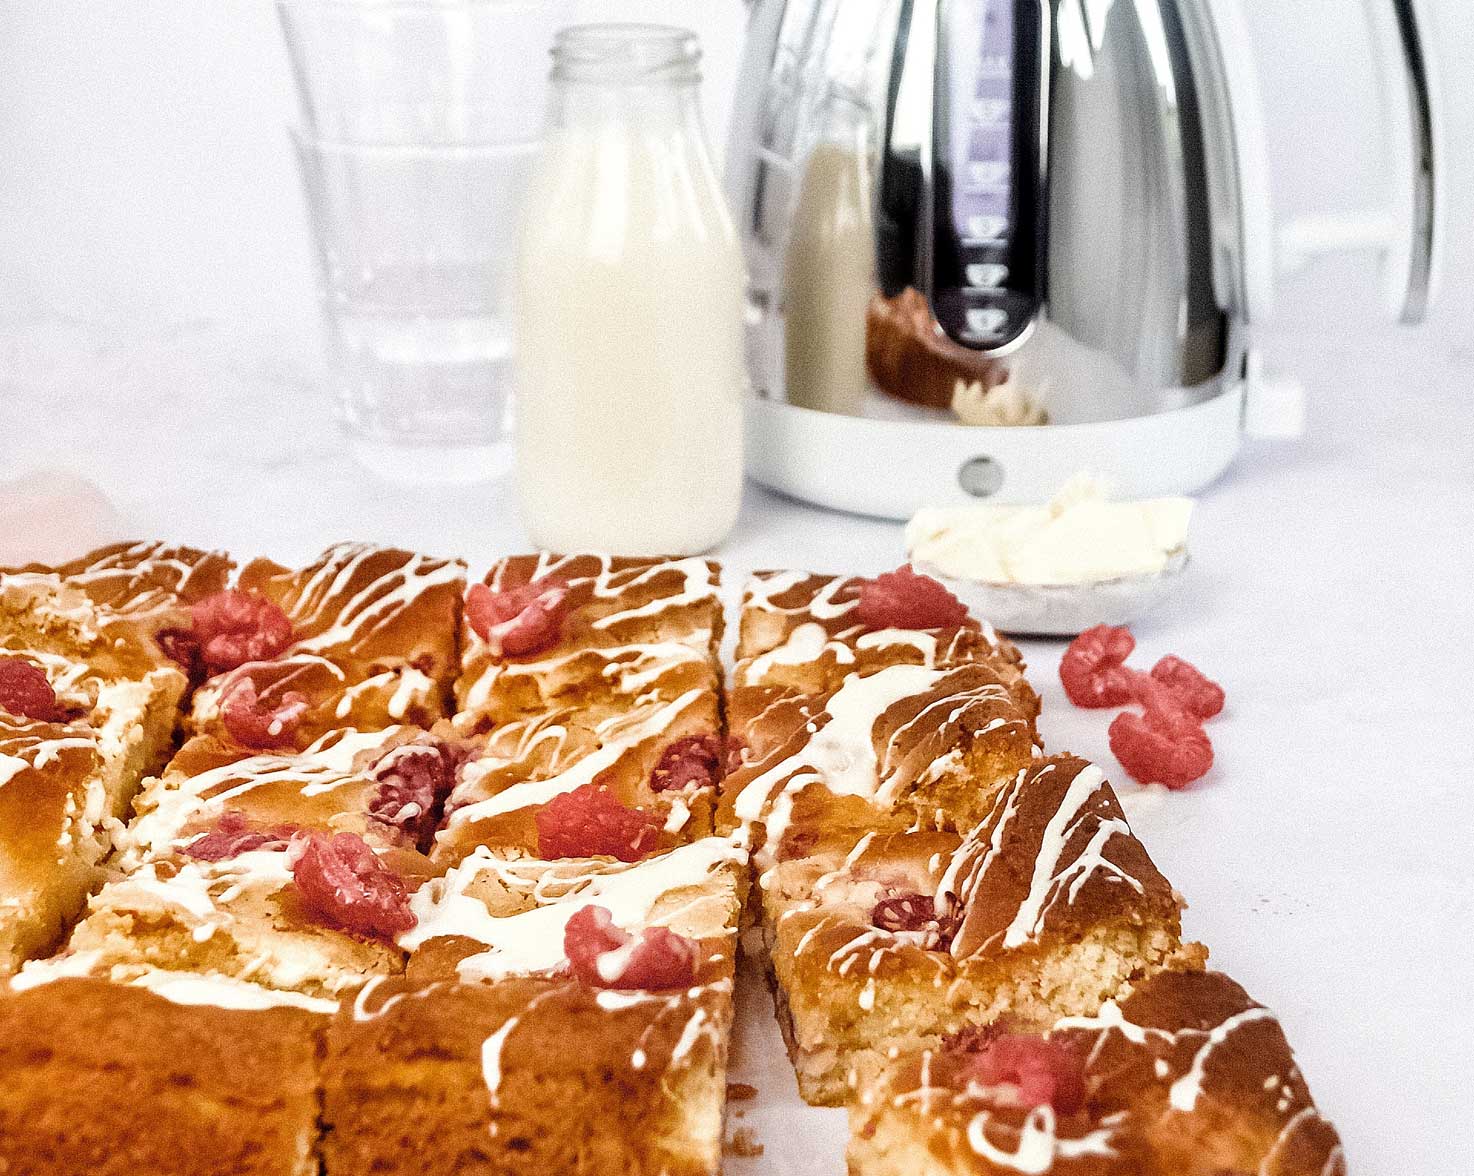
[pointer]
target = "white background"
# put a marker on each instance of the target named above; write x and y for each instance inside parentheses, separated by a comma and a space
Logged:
(158, 334)
(145, 168)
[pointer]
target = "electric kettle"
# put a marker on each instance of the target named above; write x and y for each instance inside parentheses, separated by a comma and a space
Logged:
(992, 242)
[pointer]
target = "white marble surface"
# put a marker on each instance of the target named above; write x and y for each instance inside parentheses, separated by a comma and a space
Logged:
(1327, 856)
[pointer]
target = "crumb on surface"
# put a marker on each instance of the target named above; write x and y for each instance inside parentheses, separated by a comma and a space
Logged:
(743, 1144)
(740, 1092)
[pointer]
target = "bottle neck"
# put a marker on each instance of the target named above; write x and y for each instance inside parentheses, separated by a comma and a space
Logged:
(649, 74)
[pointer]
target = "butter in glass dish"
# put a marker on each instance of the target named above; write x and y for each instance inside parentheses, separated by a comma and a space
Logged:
(1080, 559)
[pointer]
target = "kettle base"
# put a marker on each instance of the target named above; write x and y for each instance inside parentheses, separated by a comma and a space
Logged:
(890, 469)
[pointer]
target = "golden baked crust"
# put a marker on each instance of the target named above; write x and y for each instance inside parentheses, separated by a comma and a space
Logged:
(53, 804)
(800, 630)
(1048, 908)
(905, 745)
(634, 629)
(151, 582)
(1185, 1077)
(373, 642)
(492, 917)
(526, 763)
(117, 1081)
(526, 1075)
(368, 608)
(242, 918)
(331, 786)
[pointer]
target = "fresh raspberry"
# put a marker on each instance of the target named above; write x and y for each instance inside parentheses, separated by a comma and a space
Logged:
(973, 1039)
(254, 723)
(519, 621)
(235, 627)
(604, 956)
(904, 912)
(695, 760)
(905, 599)
(915, 915)
(1155, 748)
(1166, 743)
(1200, 694)
(182, 647)
(1028, 1071)
(590, 822)
(26, 692)
(415, 780)
(1093, 669)
(343, 883)
(233, 835)
(797, 843)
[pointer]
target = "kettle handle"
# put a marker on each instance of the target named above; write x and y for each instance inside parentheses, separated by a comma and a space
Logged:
(1409, 261)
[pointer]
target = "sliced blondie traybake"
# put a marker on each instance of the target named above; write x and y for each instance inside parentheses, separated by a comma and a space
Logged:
(356, 869)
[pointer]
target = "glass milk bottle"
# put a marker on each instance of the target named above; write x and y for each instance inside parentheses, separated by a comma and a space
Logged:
(629, 308)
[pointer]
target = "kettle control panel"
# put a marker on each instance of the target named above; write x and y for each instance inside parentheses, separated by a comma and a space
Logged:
(988, 156)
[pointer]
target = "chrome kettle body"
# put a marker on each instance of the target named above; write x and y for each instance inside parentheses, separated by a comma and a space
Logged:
(1052, 198)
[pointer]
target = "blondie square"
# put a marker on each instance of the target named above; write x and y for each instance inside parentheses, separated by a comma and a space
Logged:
(104, 671)
(387, 786)
(650, 767)
(544, 632)
(317, 917)
(1185, 1077)
(526, 1075)
(808, 633)
(567, 1016)
(362, 637)
(1048, 908)
(153, 583)
(177, 1075)
(900, 747)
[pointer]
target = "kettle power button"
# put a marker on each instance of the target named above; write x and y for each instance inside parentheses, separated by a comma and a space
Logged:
(981, 476)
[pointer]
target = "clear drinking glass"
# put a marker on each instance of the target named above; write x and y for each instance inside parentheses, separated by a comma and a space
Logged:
(421, 120)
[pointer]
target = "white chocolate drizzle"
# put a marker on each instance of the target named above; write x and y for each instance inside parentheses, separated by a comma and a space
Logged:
(634, 729)
(491, 1058)
(138, 563)
(347, 613)
(764, 589)
(1039, 1143)
(841, 754)
(531, 941)
(809, 643)
(634, 668)
(1055, 877)
(225, 992)
(168, 806)
(212, 989)
(1184, 1093)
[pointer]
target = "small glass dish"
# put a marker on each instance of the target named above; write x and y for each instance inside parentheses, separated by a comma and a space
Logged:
(1064, 610)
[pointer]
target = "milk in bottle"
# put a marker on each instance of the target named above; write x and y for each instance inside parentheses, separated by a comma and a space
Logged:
(629, 308)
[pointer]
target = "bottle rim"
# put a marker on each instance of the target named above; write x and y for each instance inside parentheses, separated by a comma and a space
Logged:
(626, 53)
